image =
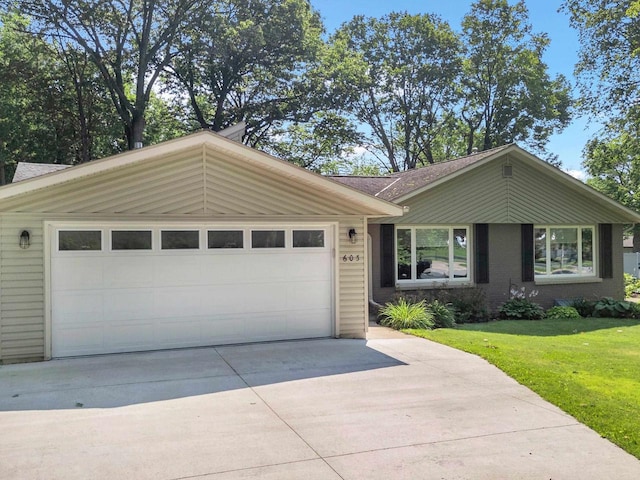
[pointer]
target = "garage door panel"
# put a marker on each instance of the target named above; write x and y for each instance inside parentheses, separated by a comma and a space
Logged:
(177, 301)
(178, 270)
(120, 301)
(121, 304)
(308, 295)
(178, 331)
(79, 339)
(129, 336)
(261, 327)
(270, 297)
(269, 267)
(222, 269)
(72, 307)
(308, 323)
(308, 267)
(129, 272)
(70, 273)
(224, 329)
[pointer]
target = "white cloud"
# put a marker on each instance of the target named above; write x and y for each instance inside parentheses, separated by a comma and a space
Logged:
(579, 174)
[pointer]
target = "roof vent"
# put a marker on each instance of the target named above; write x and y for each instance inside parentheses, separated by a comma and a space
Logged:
(507, 171)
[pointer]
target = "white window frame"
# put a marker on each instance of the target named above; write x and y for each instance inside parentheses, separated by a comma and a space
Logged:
(579, 228)
(414, 257)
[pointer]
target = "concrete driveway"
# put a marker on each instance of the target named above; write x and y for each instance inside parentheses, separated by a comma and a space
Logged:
(389, 408)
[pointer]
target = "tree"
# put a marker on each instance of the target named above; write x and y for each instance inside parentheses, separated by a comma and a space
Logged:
(397, 76)
(246, 60)
(612, 160)
(608, 69)
(508, 93)
(324, 144)
(129, 41)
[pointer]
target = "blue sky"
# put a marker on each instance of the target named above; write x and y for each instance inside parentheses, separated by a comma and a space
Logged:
(561, 55)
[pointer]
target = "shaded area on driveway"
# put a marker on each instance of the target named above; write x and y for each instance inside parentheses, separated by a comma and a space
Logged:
(391, 408)
(108, 381)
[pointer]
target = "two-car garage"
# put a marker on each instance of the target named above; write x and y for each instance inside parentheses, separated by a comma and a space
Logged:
(122, 288)
(196, 241)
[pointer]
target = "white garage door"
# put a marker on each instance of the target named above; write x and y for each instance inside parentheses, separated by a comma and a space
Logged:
(140, 288)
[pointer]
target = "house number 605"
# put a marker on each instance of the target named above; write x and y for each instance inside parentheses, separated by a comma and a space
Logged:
(351, 258)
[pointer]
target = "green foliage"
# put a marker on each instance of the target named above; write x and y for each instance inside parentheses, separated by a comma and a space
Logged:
(469, 305)
(567, 313)
(508, 93)
(443, 316)
(520, 309)
(583, 306)
(608, 307)
(631, 285)
(588, 367)
(404, 314)
(253, 61)
(608, 69)
(398, 76)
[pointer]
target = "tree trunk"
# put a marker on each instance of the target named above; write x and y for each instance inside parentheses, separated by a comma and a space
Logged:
(135, 131)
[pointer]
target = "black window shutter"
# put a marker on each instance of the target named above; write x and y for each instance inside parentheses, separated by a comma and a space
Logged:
(606, 250)
(387, 260)
(482, 252)
(527, 252)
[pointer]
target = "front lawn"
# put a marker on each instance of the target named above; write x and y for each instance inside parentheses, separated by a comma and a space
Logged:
(590, 368)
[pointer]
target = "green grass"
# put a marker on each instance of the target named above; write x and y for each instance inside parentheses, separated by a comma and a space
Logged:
(590, 367)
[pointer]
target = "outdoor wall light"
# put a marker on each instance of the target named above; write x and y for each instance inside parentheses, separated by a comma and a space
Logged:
(353, 236)
(25, 239)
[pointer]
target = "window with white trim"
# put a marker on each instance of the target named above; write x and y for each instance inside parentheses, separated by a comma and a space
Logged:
(564, 251)
(432, 254)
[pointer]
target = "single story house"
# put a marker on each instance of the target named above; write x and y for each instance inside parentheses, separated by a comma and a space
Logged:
(495, 220)
(196, 241)
(204, 241)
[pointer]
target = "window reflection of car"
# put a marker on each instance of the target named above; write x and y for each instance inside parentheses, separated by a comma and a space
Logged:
(424, 266)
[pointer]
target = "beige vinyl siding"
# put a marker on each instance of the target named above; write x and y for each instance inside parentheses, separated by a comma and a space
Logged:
(198, 182)
(352, 277)
(22, 329)
(483, 195)
(22, 297)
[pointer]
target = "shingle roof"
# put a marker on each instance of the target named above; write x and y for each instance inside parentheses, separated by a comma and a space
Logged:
(25, 170)
(396, 185)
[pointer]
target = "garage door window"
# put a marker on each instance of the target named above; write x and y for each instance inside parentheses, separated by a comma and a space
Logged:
(180, 239)
(79, 240)
(308, 239)
(225, 239)
(267, 239)
(131, 240)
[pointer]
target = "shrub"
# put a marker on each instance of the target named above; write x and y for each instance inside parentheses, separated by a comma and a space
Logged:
(608, 307)
(404, 314)
(567, 313)
(631, 285)
(520, 306)
(520, 309)
(467, 304)
(442, 315)
(584, 307)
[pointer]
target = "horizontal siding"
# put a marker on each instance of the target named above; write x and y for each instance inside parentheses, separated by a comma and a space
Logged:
(21, 290)
(352, 304)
